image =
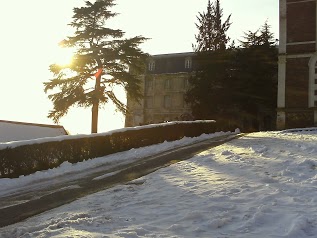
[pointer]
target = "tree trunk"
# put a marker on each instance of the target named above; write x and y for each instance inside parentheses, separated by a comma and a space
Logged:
(94, 118)
(95, 107)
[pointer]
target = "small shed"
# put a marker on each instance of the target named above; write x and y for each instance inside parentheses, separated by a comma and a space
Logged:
(16, 131)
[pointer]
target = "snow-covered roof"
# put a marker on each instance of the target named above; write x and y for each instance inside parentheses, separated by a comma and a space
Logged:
(15, 131)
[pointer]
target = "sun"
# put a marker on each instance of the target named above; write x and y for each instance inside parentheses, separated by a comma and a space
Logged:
(63, 56)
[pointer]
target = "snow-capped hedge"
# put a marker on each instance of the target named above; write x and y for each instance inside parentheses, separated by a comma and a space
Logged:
(26, 157)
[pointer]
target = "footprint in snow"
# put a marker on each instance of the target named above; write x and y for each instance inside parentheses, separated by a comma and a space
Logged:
(226, 152)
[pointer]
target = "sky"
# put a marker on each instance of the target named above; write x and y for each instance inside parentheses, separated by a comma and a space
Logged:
(260, 185)
(32, 29)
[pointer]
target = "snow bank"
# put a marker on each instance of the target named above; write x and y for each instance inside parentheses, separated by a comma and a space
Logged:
(260, 185)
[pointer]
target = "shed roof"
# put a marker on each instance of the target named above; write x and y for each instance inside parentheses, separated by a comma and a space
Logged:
(15, 131)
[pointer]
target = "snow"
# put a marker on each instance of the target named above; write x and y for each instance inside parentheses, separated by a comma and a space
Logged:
(9, 186)
(263, 184)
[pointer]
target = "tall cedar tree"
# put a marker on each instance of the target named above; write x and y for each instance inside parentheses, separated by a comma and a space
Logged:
(98, 49)
(255, 74)
(208, 93)
(211, 31)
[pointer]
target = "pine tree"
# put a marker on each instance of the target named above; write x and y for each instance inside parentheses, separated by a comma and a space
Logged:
(266, 36)
(255, 74)
(250, 39)
(208, 95)
(211, 30)
(260, 37)
(101, 56)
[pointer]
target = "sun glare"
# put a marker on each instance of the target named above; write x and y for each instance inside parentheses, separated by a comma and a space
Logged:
(63, 56)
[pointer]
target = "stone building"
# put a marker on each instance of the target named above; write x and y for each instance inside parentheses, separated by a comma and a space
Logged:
(297, 81)
(164, 85)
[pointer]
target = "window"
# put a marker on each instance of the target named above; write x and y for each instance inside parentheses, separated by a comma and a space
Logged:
(151, 65)
(188, 63)
(149, 102)
(180, 101)
(186, 83)
(167, 101)
(149, 84)
(167, 84)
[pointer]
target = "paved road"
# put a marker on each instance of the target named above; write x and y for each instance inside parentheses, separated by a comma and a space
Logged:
(40, 197)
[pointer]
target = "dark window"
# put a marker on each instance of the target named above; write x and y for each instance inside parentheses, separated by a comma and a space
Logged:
(167, 84)
(149, 84)
(149, 102)
(167, 101)
(186, 83)
(188, 63)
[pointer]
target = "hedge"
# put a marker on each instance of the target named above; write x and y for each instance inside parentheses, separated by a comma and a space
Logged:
(28, 158)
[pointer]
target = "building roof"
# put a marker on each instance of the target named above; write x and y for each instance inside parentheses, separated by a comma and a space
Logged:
(171, 63)
(174, 55)
(15, 131)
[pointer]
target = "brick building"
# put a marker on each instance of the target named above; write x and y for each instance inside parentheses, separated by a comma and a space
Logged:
(164, 85)
(297, 79)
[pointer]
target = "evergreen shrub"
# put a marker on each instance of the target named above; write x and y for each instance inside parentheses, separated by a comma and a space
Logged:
(29, 158)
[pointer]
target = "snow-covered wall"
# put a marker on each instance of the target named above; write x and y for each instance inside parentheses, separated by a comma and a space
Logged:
(15, 131)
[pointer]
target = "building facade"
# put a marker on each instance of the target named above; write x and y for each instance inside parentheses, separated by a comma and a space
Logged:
(297, 76)
(164, 86)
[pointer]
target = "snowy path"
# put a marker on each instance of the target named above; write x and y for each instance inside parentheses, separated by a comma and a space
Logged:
(260, 185)
(68, 175)
(48, 193)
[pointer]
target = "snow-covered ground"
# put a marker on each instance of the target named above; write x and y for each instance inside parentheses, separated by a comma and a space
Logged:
(68, 171)
(261, 185)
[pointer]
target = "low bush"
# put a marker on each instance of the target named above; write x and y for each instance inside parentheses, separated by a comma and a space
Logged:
(27, 158)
